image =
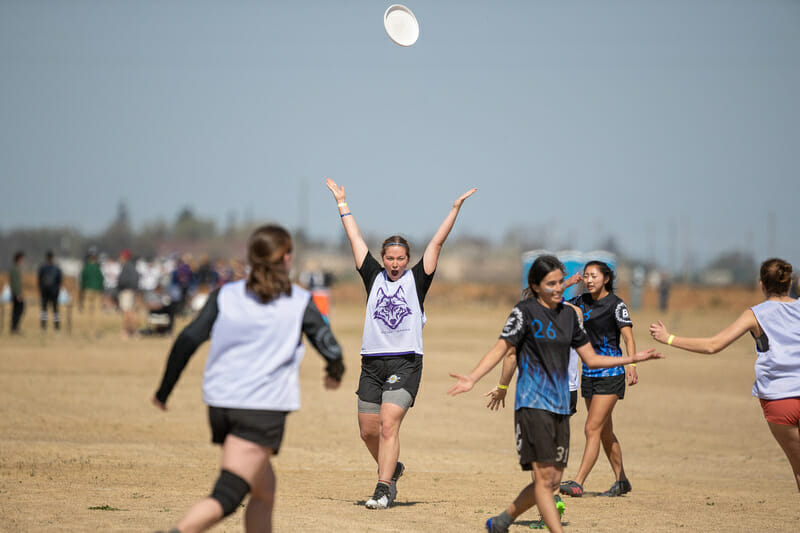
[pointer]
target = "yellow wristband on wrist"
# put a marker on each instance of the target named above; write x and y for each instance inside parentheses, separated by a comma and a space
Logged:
(633, 365)
(671, 338)
(502, 387)
(342, 204)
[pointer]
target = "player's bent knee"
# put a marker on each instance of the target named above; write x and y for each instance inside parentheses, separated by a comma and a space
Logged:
(229, 491)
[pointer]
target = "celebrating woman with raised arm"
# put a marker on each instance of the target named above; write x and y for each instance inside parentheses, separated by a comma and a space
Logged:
(391, 348)
(774, 324)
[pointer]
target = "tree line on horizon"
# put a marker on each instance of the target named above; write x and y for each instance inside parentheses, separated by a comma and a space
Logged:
(188, 227)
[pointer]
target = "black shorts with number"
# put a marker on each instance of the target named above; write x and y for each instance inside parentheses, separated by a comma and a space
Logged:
(542, 437)
(255, 425)
(606, 385)
(385, 373)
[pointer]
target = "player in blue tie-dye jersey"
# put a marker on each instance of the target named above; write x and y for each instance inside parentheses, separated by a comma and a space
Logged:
(536, 338)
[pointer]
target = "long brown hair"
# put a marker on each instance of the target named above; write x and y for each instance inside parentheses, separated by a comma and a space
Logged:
(266, 248)
(776, 275)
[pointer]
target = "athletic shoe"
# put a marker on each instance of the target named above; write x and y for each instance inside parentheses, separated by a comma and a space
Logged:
(571, 488)
(381, 499)
(623, 486)
(539, 524)
(560, 505)
(398, 472)
(492, 527)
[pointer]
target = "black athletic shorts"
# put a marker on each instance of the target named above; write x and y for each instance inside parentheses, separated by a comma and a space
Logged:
(542, 437)
(260, 426)
(607, 385)
(386, 373)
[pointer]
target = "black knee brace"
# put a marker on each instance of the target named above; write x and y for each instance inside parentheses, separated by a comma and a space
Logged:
(229, 491)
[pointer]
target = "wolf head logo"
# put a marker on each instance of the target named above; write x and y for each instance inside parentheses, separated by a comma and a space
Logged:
(391, 309)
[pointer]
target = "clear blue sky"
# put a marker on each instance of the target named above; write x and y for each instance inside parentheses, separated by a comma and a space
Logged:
(669, 125)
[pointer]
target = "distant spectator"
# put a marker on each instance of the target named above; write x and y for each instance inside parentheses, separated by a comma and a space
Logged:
(149, 275)
(663, 291)
(206, 277)
(224, 272)
(160, 313)
(182, 278)
(91, 283)
(127, 287)
(110, 269)
(49, 287)
(17, 297)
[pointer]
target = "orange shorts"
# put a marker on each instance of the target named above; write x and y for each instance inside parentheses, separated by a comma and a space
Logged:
(785, 411)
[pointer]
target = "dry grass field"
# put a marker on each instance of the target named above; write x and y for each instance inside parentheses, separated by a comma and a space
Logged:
(82, 448)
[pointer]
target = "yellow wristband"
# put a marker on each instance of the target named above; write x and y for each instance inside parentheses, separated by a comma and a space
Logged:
(502, 387)
(671, 338)
(633, 365)
(343, 204)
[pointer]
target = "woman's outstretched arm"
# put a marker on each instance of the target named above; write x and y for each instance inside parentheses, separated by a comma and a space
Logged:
(708, 345)
(357, 244)
(431, 257)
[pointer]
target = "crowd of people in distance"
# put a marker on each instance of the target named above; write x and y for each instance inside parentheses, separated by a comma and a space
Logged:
(160, 289)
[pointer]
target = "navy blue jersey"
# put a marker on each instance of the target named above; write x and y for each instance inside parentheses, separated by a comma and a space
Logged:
(602, 320)
(543, 337)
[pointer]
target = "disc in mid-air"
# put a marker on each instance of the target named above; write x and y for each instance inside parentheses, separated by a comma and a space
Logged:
(401, 25)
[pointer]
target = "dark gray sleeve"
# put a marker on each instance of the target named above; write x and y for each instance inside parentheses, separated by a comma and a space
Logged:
(319, 334)
(188, 341)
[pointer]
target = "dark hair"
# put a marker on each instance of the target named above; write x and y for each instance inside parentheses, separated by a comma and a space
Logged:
(540, 268)
(395, 240)
(605, 270)
(19, 255)
(268, 278)
(49, 255)
(776, 275)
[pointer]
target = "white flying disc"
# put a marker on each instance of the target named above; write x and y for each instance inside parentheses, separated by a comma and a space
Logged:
(401, 25)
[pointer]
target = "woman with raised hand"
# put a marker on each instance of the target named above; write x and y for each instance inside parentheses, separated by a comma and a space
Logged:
(391, 347)
(537, 337)
(774, 324)
(251, 379)
(607, 322)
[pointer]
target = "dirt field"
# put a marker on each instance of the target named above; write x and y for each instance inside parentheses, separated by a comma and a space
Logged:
(82, 448)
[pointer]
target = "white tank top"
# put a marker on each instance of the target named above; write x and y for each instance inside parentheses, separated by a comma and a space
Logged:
(778, 368)
(394, 319)
(255, 353)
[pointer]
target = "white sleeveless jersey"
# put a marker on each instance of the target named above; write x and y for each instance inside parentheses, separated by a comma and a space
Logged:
(255, 350)
(778, 367)
(394, 319)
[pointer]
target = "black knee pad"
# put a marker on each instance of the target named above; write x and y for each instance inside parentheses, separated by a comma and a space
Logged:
(229, 491)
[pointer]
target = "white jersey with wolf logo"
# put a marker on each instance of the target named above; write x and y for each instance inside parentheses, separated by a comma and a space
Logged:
(394, 319)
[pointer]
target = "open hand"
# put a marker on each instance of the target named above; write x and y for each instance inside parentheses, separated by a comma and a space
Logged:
(457, 203)
(338, 191)
(497, 398)
(464, 384)
(646, 355)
